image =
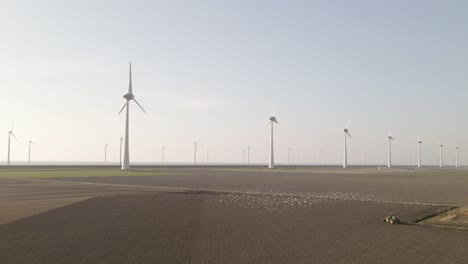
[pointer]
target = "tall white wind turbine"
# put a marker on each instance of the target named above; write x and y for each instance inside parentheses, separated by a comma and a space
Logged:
(10, 133)
(441, 164)
(29, 152)
(195, 145)
(389, 139)
(271, 121)
(345, 148)
(129, 97)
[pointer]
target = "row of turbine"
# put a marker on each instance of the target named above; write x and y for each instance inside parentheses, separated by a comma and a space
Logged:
(389, 140)
(271, 121)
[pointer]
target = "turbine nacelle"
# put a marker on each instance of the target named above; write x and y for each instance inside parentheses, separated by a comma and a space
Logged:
(129, 96)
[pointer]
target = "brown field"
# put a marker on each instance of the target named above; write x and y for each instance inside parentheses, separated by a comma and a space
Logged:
(233, 215)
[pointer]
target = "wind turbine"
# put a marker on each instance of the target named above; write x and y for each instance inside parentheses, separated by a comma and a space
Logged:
(29, 152)
(271, 121)
(289, 154)
(105, 153)
(195, 151)
(457, 148)
(129, 97)
(346, 134)
(419, 151)
(440, 153)
(390, 139)
(10, 133)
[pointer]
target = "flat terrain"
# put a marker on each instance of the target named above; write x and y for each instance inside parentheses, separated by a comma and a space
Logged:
(229, 215)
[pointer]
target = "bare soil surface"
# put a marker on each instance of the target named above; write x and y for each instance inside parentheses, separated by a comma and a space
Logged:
(232, 215)
(227, 228)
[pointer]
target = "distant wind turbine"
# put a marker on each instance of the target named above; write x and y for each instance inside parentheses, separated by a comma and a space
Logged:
(105, 153)
(129, 97)
(162, 155)
(29, 152)
(457, 148)
(10, 133)
(419, 151)
(271, 121)
(390, 139)
(195, 151)
(440, 153)
(345, 150)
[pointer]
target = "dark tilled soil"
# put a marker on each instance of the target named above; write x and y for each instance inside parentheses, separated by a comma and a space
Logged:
(227, 228)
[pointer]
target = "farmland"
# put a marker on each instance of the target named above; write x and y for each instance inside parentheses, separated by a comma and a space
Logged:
(230, 215)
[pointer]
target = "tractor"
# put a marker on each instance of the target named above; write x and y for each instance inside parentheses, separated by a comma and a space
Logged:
(391, 219)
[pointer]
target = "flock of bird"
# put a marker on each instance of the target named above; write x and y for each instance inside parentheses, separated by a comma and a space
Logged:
(125, 144)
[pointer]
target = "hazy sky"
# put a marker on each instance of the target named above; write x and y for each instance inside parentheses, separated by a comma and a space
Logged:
(216, 70)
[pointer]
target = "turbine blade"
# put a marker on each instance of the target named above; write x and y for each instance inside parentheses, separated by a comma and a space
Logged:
(341, 130)
(347, 125)
(13, 134)
(139, 105)
(349, 135)
(123, 107)
(267, 123)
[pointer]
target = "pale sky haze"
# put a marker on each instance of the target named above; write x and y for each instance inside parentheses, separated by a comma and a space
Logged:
(216, 70)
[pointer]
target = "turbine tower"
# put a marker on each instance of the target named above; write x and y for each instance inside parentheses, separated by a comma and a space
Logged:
(457, 148)
(419, 151)
(440, 153)
(195, 145)
(105, 153)
(129, 97)
(29, 152)
(345, 149)
(271, 121)
(390, 139)
(10, 133)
